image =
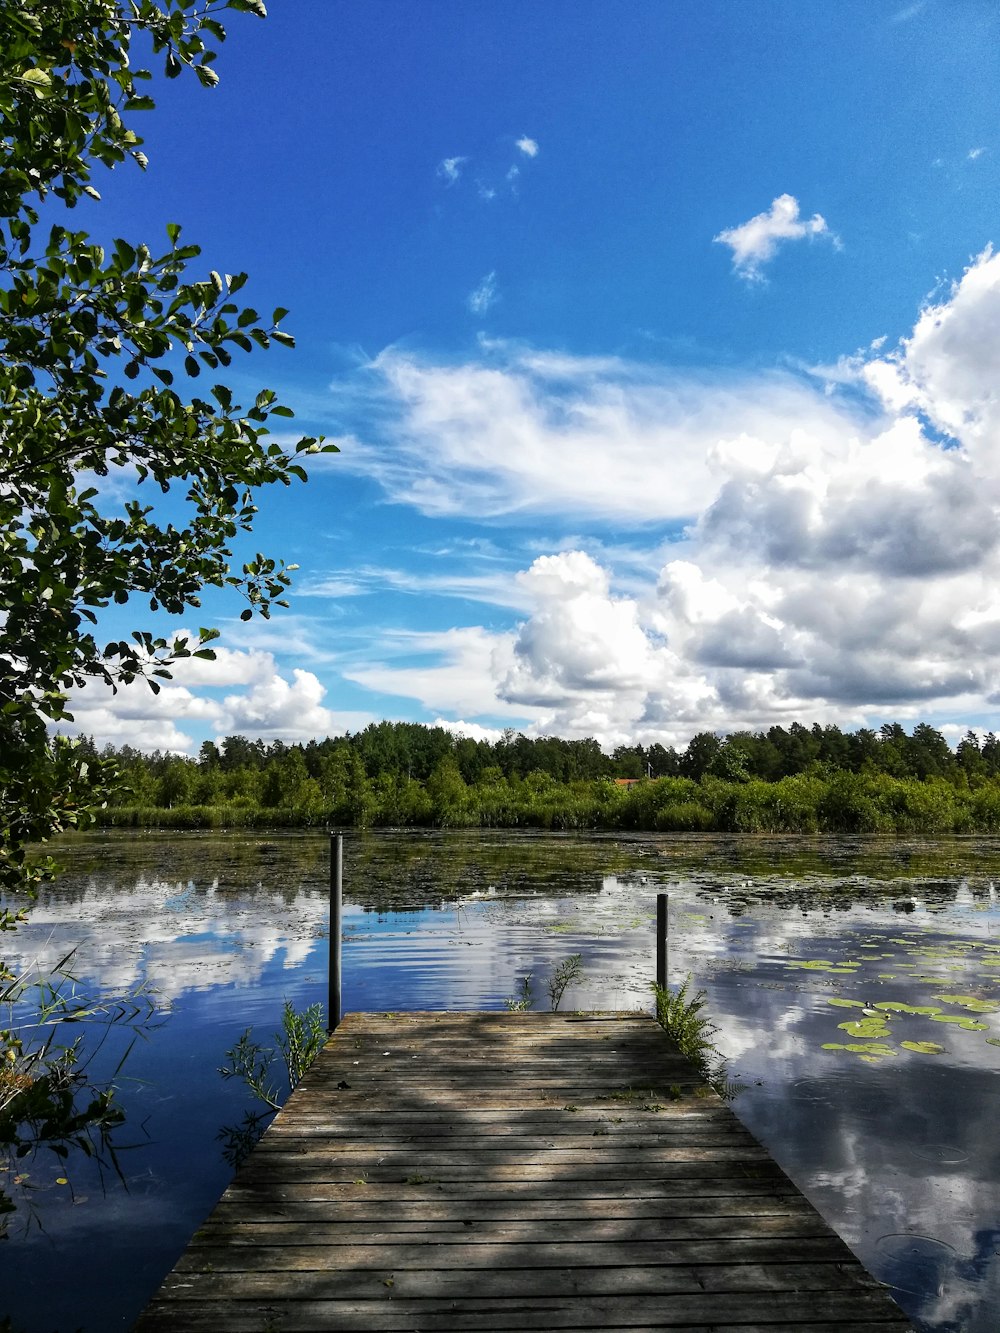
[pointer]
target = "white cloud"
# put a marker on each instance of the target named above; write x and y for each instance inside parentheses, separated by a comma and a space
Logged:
(484, 296)
(908, 12)
(450, 169)
(470, 730)
(272, 706)
(949, 368)
(494, 174)
(975, 153)
(460, 677)
(275, 707)
(822, 547)
(836, 562)
(754, 243)
(522, 432)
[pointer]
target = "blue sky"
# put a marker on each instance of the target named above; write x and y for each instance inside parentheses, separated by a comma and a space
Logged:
(662, 344)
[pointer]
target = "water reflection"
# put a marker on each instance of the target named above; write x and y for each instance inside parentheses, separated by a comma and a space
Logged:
(897, 1149)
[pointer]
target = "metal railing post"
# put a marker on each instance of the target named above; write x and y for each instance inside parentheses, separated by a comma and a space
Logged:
(333, 1010)
(661, 940)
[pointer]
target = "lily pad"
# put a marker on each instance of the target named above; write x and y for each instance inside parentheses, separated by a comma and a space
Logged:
(825, 965)
(847, 1004)
(877, 1049)
(866, 1027)
(959, 1020)
(898, 1007)
(923, 1047)
(971, 1002)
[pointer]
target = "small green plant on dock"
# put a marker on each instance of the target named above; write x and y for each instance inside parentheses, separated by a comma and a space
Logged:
(682, 1017)
(299, 1041)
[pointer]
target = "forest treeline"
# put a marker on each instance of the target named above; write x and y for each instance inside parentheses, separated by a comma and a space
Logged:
(794, 779)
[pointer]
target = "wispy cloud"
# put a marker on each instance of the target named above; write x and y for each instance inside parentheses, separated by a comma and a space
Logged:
(522, 432)
(756, 242)
(975, 153)
(492, 171)
(484, 296)
(496, 588)
(908, 12)
(450, 169)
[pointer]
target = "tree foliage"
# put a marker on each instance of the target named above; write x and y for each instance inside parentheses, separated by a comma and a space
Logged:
(108, 366)
(128, 470)
(799, 780)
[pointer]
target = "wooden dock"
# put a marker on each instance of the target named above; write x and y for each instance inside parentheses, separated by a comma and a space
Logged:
(504, 1171)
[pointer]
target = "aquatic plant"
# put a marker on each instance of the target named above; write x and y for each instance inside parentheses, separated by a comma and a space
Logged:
(570, 970)
(50, 1096)
(565, 974)
(299, 1041)
(524, 1000)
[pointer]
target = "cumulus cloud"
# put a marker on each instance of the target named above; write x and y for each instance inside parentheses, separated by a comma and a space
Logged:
(832, 554)
(270, 705)
(528, 146)
(756, 242)
(470, 730)
(484, 296)
(948, 368)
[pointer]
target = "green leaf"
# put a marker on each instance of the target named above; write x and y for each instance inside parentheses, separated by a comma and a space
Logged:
(971, 1002)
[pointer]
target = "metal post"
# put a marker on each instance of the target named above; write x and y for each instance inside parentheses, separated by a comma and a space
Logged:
(336, 929)
(661, 940)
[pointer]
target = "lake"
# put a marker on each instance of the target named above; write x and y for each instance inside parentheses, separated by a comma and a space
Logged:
(854, 983)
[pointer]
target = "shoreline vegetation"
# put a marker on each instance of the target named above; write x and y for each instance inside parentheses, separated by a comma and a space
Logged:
(794, 780)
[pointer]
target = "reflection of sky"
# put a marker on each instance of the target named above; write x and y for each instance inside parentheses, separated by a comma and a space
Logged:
(899, 1155)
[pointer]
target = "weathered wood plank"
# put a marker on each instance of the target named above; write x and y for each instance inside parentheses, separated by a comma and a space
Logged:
(695, 1178)
(490, 1284)
(218, 1259)
(700, 1310)
(512, 1171)
(283, 1232)
(402, 1214)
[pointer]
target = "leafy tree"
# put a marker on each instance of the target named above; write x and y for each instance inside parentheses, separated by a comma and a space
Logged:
(702, 750)
(969, 755)
(928, 752)
(100, 348)
(96, 346)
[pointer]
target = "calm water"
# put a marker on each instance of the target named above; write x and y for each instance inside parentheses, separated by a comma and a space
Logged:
(896, 1144)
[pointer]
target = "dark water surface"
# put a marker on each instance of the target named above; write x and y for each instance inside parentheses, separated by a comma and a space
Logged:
(889, 1124)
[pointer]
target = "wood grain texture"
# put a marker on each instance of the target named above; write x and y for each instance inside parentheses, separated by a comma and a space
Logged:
(512, 1172)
